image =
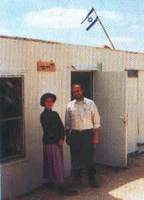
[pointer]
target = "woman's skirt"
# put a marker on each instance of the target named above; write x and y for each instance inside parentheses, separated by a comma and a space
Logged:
(53, 165)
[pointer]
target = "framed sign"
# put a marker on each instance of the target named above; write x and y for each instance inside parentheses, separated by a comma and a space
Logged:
(46, 66)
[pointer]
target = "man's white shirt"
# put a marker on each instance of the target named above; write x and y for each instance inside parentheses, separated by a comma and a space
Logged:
(81, 115)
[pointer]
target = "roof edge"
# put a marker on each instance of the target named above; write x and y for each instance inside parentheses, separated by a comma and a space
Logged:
(63, 43)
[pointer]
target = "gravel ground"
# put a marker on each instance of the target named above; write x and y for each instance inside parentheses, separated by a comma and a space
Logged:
(116, 184)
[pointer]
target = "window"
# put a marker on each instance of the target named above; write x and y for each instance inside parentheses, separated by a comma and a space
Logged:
(11, 118)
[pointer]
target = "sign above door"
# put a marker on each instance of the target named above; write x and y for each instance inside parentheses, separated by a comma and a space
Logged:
(46, 66)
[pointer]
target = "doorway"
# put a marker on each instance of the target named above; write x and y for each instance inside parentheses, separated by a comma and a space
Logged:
(86, 80)
(108, 91)
(132, 110)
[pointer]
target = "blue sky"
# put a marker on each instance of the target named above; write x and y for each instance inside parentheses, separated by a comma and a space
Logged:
(60, 20)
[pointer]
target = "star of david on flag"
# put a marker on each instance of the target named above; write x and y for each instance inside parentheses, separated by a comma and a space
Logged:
(90, 19)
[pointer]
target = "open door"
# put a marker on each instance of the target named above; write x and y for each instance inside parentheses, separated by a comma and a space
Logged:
(109, 96)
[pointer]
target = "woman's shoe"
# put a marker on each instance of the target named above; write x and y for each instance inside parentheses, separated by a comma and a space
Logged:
(63, 190)
(94, 183)
(50, 186)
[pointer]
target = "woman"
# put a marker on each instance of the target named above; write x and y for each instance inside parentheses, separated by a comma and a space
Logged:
(53, 139)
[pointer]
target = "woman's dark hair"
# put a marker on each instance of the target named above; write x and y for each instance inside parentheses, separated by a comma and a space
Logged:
(46, 96)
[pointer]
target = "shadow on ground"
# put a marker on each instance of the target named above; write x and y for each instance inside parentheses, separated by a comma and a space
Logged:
(116, 184)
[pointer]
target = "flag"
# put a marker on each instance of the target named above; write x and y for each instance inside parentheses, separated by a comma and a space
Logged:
(90, 19)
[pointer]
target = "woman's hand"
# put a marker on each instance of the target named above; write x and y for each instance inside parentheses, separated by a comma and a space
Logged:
(61, 142)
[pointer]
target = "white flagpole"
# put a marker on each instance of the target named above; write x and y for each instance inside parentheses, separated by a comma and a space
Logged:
(104, 30)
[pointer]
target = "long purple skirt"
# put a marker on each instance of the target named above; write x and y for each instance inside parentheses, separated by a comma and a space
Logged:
(53, 165)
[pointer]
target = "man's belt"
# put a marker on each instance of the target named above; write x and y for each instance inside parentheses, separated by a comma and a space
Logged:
(81, 131)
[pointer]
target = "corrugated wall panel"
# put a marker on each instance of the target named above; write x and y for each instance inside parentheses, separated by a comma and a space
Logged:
(141, 107)
(78, 55)
(18, 56)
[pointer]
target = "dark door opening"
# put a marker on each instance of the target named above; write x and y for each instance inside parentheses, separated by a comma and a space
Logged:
(86, 80)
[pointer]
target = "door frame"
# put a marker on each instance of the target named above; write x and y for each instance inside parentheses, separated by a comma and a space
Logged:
(132, 109)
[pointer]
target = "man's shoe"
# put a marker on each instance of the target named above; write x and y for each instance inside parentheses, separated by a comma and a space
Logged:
(94, 184)
(77, 182)
(77, 178)
(67, 191)
(70, 192)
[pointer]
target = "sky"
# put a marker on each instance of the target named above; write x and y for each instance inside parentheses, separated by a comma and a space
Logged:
(60, 21)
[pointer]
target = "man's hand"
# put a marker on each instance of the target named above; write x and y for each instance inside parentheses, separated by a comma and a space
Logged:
(96, 136)
(67, 137)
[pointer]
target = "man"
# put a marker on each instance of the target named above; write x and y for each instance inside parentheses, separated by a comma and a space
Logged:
(82, 124)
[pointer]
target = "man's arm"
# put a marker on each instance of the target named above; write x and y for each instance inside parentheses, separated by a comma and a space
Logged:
(96, 136)
(95, 116)
(96, 124)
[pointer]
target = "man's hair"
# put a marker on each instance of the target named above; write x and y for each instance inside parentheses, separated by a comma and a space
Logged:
(77, 83)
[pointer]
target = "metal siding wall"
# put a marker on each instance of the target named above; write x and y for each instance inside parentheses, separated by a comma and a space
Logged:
(111, 60)
(13, 57)
(18, 56)
(141, 106)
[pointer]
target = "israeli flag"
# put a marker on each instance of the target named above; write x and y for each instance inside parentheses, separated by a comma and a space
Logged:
(90, 19)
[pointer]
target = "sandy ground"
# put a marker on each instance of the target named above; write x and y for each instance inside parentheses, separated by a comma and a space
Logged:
(116, 184)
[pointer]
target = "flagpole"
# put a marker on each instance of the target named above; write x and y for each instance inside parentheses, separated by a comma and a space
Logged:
(105, 31)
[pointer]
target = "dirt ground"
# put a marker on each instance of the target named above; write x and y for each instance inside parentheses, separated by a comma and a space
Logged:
(116, 184)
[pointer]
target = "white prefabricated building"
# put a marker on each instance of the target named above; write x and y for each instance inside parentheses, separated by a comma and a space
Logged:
(114, 79)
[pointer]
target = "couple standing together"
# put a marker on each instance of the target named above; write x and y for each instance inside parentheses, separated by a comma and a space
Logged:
(82, 124)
